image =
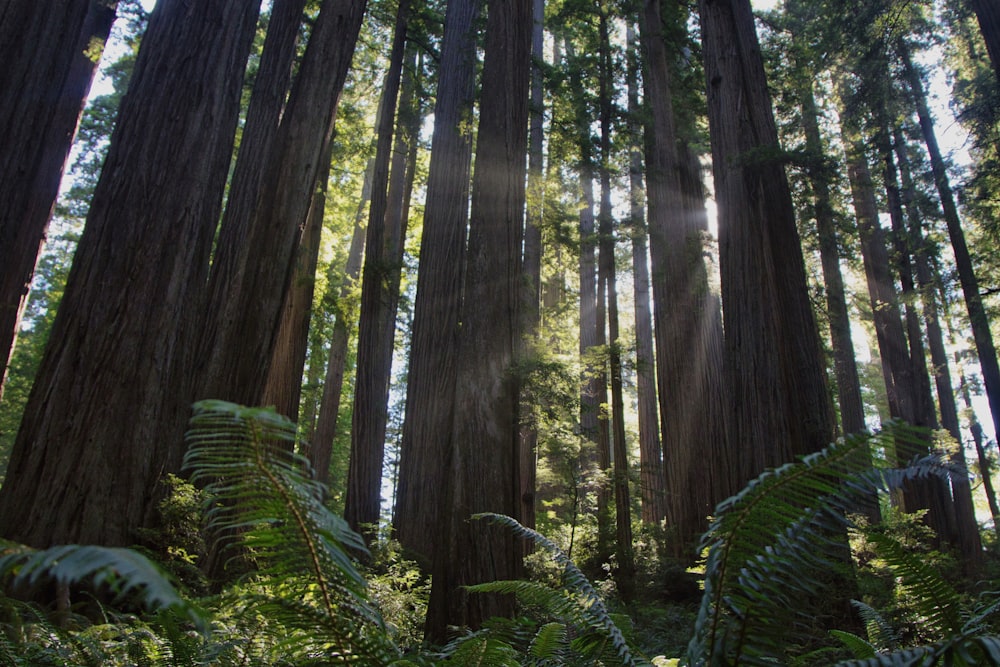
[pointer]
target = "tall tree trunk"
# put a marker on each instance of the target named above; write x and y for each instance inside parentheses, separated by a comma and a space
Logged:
(321, 447)
(532, 280)
(593, 389)
(852, 414)
(484, 454)
(966, 527)
(430, 391)
(283, 388)
(379, 296)
(241, 327)
(685, 315)
(963, 262)
(651, 487)
(257, 140)
(985, 465)
(988, 14)
(106, 417)
(50, 52)
(625, 574)
(774, 362)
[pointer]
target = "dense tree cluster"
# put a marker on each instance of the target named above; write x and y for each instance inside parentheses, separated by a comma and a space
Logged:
(466, 245)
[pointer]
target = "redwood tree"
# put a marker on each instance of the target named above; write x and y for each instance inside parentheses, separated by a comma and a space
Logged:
(106, 417)
(50, 50)
(483, 468)
(431, 387)
(780, 406)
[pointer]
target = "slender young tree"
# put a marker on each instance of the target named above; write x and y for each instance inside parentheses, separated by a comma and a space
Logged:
(106, 417)
(966, 272)
(483, 467)
(773, 355)
(651, 487)
(379, 296)
(624, 550)
(430, 388)
(50, 50)
(321, 447)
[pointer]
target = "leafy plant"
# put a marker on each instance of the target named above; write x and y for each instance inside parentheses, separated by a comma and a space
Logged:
(582, 630)
(264, 500)
(770, 545)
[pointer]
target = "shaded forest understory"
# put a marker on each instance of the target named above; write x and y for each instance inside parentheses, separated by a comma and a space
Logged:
(593, 333)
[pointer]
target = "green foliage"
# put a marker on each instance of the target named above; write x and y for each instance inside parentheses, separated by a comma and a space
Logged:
(583, 625)
(770, 544)
(264, 500)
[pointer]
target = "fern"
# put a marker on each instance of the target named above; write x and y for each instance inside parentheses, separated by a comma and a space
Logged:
(768, 545)
(123, 572)
(262, 494)
(577, 604)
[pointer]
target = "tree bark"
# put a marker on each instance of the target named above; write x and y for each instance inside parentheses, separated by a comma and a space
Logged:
(530, 306)
(845, 365)
(988, 14)
(241, 329)
(106, 417)
(484, 458)
(963, 262)
(774, 363)
(687, 327)
(624, 551)
(257, 141)
(651, 487)
(430, 391)
(379, 296)
(283, 388)
(967, 529)
(321, 447)
(50, 50)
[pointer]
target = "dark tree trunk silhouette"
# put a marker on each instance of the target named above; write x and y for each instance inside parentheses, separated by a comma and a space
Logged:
(242, 325)
(430, 391)
(774, 363)
(50, 50)
(379, 297)
(624, 550)
(283, 387)
(963, 262)
(257, 140)
(106, 417)
(968, 541)
(988, 14)
(687, 327)
(532, 267)
(483, 465)
(852, 416)
(651, 487)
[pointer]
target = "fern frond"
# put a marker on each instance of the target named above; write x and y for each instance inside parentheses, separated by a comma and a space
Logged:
(262, 493)
(856, 645)
(880, 633)
(124, 572)
(769, 542)
(588, 602)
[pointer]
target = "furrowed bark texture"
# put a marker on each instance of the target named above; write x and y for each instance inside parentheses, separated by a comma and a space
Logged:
(240, 333)
(50, 50)
(107, 414)
(430, 390)
(484, 466)
(773, 355)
